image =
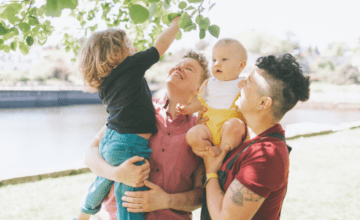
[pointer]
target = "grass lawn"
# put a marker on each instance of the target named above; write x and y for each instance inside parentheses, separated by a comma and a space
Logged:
(324, 183)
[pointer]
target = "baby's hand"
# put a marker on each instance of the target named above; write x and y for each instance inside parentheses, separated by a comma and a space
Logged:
(181, 109)
(214, 150)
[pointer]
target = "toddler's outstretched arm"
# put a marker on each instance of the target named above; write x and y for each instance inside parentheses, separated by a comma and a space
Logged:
(167, 37)
(189, 109)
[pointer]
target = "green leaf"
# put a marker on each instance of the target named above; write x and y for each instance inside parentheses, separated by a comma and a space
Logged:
(195, 1)
(12, 18)
(212, 6)
(152, 10)
(166, 4)
(182, 5)
(42, 42)
(202, 33)
(24, 49)
(179, 35)
(41, 10)
(165, 19)
(190, 8)
(198, 19)
(54, 7)
(15, 31)
(3, 30)
(29, 41)
(24, 27)
(204, 23)
(184, 20)
(194, 12)
(13, 45)
(1, 41)
(214, 30)
(154, 1)
(6, 48)
(41, 35)
(138, 14)
(33, 21)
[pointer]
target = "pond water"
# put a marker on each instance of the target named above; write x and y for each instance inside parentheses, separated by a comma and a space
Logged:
(47, 139)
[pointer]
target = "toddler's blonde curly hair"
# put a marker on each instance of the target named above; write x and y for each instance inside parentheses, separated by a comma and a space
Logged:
(104, 51)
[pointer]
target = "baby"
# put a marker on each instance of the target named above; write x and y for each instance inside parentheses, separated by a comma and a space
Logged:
(110, 65)
(218, 94)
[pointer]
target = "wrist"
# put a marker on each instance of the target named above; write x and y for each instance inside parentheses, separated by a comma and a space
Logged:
(210, 176)
(169, 201)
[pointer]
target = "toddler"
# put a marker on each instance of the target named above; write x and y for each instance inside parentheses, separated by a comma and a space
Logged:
(218, 94)
(110, 65)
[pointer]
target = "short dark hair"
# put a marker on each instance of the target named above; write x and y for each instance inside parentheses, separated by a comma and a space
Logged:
(288, 84)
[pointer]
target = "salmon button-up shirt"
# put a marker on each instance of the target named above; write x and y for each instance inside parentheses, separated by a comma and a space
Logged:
(172, 163)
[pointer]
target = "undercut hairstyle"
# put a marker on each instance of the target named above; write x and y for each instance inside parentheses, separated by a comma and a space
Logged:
(203, 63)
(286, 80)
(104, 51)
(238, 45)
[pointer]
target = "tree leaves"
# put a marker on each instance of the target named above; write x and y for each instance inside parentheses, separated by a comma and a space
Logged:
(24, 27)
(182, 5)
(54, 7)
(24, 49)
(214, 30)
(138, 13)
(24, 24)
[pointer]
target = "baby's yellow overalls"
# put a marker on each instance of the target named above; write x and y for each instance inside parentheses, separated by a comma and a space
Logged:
(217, 117)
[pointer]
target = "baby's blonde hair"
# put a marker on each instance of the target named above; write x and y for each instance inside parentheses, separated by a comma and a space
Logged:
(104, 50)
(237, 44)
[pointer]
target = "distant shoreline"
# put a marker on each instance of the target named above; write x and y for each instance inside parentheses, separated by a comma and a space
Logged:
(318, 100)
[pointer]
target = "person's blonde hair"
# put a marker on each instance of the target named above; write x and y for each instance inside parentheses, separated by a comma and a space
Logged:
(236, 44)
(104, 50)
(202, 61)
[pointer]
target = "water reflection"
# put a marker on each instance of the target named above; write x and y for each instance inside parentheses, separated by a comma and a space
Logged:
(49, 138)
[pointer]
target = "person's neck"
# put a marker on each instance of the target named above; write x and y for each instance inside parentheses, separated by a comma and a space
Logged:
(174, 100)
(257, 124)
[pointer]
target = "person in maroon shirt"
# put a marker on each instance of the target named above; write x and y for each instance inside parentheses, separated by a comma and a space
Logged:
(250, 181)
(175, 172)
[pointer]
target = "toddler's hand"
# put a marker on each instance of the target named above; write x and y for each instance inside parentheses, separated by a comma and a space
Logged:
(176, 19)
(181, 109)
(214, 150)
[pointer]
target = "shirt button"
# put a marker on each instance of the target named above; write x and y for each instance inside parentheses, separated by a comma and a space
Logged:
(169, 133)
(162, 150)
(157, 170)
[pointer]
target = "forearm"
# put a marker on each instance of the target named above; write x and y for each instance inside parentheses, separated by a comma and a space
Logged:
(97, 164)
(187, 201)
(195, 106)
(94, 160)
(214, 197)
(167, 37)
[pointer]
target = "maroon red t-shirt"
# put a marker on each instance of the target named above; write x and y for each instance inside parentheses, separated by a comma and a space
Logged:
(262, 168)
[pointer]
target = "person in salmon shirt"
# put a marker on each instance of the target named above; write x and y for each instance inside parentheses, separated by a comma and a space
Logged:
(173, 173)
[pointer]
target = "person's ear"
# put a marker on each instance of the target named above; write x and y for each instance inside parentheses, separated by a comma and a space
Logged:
(242, 66)
(265, 103)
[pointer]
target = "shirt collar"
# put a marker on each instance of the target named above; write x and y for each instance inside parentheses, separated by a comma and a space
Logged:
(164, 102)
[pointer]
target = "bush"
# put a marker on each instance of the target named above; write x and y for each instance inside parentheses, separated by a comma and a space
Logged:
(345, 75)
(322, 69)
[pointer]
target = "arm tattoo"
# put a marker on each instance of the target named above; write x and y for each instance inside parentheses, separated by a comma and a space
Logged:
(240, 193)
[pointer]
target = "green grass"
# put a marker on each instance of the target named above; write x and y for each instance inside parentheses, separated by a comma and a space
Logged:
(324, 183)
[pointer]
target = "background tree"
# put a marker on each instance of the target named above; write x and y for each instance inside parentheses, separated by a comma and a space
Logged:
(265, 44)
(23, 23)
